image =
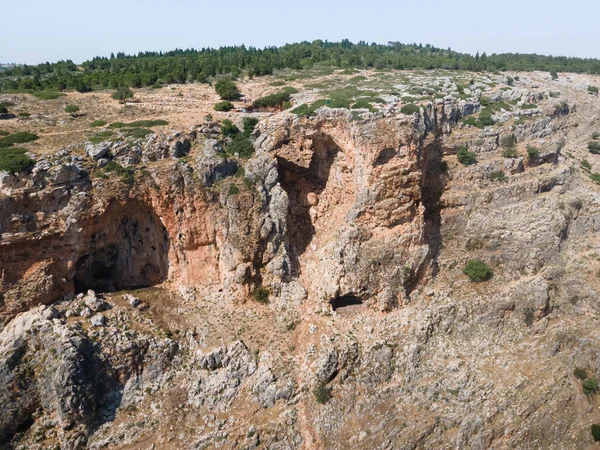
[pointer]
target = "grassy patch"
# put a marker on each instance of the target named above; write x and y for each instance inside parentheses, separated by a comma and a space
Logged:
(14, 160)
(20, 137)
(97, 123)
(101, 137)
(47, 95)
(125, 173)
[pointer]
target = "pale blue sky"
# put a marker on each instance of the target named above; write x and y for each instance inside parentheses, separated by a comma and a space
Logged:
(33, 31)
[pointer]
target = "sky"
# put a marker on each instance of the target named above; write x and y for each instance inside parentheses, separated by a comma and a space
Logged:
(36, 31)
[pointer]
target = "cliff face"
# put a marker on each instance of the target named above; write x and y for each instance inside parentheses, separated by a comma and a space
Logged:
(359, 228)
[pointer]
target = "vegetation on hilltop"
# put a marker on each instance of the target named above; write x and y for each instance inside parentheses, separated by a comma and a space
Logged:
(180, 66)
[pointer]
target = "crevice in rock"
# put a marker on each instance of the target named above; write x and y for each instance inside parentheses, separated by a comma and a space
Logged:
(130, 252)
(343, 301)
(432, 187)
(299, 180)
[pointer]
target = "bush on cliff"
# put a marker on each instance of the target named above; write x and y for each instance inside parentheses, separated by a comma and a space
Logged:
(477, 270)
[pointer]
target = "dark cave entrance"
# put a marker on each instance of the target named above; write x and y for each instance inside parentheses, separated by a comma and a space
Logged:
(299, 179)
(129, 251)
(344, 301)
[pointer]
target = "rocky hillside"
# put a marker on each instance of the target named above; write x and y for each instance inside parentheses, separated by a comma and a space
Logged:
(167, 293)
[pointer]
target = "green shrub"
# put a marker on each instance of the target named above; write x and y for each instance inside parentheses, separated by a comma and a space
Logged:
(241, 145)
(477, 270)
(4, 133)
(97, 123)
(595, 135)
(594, 147)
(223, 106)
(24, 115)
(71, 109)
(249, 125)
(117, 125)
(595, 177)
(497, 176)
(596, 432)
(3, 109)
(590, 386)
(322, 393)
(47, 95)
(14, 160)
(580, 373)
(20, 137)
(592, 89)
(233, 189)
(532, 152)
(228, 128)
(409, 109)
(586, 164)
(510, 152)
(465, 157)
(553, 74)
(510, 81)
(227, 89)
(277, 83)
(261, 295)
(529, 106)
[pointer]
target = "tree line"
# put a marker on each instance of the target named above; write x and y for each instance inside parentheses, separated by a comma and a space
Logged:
(181, 66)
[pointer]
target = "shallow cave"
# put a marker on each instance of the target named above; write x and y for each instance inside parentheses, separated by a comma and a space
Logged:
(343, 301)
(299, 179)
(129, 250)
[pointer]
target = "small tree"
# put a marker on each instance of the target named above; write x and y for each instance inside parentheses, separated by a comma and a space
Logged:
(477, 270)
(590, 386)
(225, 105)
(71, 109)
(554, 75)
(122, 93)
(227, 89)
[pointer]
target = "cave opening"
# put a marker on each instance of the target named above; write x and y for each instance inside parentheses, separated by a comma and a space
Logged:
(344, 301)
(129, 250)
(299, 179)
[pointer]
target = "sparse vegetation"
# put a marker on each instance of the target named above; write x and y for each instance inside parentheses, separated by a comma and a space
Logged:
(101, 136)
(580, 373)
(585, 164)
(233, 189)
(477, 270)
(590, 386)
(498, 176)
(261, 295)
(125, 173)
(97, 123)
(322, 393)
(223, 106)
(532, 152)
(465, 157)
